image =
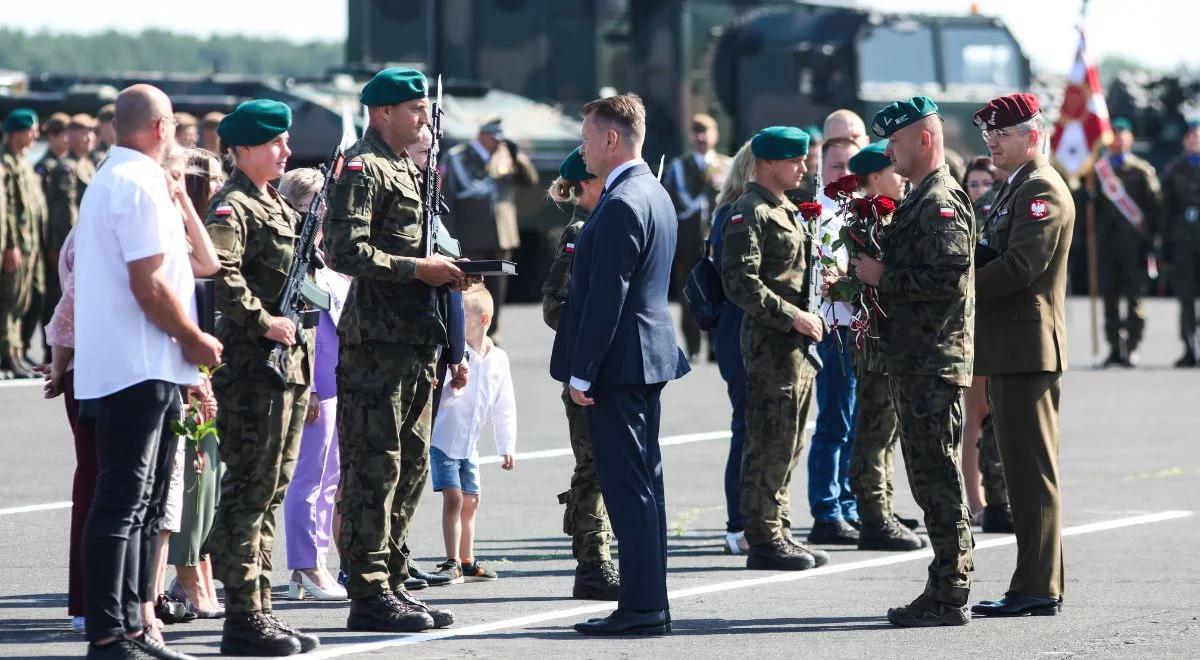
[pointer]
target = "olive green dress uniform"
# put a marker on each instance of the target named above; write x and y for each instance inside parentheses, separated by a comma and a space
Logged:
(259, 422)
(1121, 251)
(389, 335)
(586, 518)
(1022, 349)
(765, 251)
(926, 349)
(26, 223)
(1181, 205)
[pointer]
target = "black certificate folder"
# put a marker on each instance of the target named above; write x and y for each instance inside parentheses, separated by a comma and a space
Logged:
(487, 267)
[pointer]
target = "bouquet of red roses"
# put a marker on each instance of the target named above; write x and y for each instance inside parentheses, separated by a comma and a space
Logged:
(864, 218)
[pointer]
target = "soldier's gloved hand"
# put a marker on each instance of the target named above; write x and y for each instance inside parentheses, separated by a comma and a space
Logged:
(436, 270)
(809, 325)
(282, 331)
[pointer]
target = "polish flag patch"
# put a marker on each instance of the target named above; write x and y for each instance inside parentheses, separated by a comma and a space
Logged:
(945, 212)
(223, 211)
(987, 208)
(355, 165)
(1039, 209)
(736, 219)
(569, 248)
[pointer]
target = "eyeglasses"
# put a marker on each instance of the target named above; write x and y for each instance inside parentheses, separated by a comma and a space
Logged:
(997, 134)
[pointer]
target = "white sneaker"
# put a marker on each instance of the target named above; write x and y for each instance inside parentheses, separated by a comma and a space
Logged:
(735, 543)
(78, 624)
(297, 590)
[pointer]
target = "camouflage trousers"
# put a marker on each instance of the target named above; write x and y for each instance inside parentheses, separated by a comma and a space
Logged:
(385, 404)
(260, 427)
(995, 489)
(872, 456)
(929, 411)
(16, 295)
(779, 393)
(585, 519)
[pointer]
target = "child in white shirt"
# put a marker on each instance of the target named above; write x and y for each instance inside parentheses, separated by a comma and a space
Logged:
(453, 451)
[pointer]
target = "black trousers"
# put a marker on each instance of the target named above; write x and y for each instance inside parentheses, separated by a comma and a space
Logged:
(135, 450)
(624, 427)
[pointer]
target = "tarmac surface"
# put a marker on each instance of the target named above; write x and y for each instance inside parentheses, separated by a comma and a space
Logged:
(1131, 482)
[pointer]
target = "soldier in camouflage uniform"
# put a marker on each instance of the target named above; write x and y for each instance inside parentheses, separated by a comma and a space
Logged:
(926, 346)
(763, 268)
(260, 412)
(22, 245)
(62, 206)
(390, 332)
(1181, 237)
(585, 519)
(105, 135)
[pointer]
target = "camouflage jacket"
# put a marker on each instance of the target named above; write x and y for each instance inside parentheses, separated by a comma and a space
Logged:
(373, 233)
(983, 206)
(558, 280)
(60, 188)
(1141, 183)
(927, 289)
(85, 171)
(255, 238)
(25, 202)
(1181, 200)
(763, 258)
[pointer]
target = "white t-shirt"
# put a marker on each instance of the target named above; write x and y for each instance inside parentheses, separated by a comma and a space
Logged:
(127, 214)
(463, 413)
(838, 313)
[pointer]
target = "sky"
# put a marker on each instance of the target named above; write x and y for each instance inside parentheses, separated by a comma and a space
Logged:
(1155, 32)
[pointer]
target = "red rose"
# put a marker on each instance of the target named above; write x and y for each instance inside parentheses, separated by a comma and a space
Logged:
(862, 207)
(832, 190)
(848, 184)
(884, 205)
(810, 210)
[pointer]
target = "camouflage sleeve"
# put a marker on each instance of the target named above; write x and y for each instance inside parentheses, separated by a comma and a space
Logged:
(7, 229)
(741, 259)
(1038, 220)
(347, 245)
(61, 205)
(558, 281)
(234, 300)
(946, 242)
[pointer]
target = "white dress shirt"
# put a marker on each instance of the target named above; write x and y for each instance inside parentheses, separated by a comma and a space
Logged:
(463, 413)
(579, 383)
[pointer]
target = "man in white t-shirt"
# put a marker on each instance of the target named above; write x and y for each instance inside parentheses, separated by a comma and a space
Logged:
(136, 343)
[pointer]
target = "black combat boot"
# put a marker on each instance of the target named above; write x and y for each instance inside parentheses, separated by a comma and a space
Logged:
(889, 535)
(819, 556)
(832, 532)
(911, 523)
(253, 633)
(441, 618)
(925, 612)
(997, 519)
(779, 555)
(383, 613)
(1188, 359)
(596, 581)
(307, 642)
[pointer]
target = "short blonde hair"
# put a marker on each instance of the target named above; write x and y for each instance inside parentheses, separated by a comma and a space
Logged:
(300, 183)
(478, 300)
(741, 170)
(563, 191)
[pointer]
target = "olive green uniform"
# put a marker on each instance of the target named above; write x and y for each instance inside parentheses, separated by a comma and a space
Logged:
(872, 454)
(991, 469)
(390, 332)
(763, 261)
(1181, 210)
(926, 349)
(1022, 349)
(26, 216)
(586, 519)
(259, 420)
(1121, 251)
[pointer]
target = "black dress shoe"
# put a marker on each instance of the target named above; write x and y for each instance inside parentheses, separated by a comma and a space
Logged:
(997, 519)
(122, 649)
(628, 622)
(1188, 359)
(832, 532)
(430, 579)
(596, 581)
(441, 618)
(252, 633)
(156, 649)
(307, 642)
(1019, 605)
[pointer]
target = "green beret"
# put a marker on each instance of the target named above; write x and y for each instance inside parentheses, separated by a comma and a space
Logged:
(1121, 124)
(254, 122)
(899, 114)
(814, 132)
(395, 85)
(1193, 124)
(870, 158)
(574, 169)
(20, 119)
(779, 143)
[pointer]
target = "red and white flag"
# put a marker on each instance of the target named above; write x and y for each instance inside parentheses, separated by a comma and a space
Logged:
(1083, 125)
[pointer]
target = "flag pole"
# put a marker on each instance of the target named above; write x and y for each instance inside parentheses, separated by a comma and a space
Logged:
(1089, 187)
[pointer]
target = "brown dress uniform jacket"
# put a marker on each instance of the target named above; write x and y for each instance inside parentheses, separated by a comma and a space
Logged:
(483, 207)
(1020, 294)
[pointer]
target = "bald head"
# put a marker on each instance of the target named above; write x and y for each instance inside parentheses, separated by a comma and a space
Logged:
(916, 150)
(846, 124)
(138, 123)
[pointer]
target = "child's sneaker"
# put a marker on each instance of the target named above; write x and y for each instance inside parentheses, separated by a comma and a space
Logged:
(475, 572)
(450, 569)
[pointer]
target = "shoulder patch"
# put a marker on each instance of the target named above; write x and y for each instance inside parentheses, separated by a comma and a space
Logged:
(945, 211)
(1039, 209)
(569, 248)
(736, 219)
(223, 211)
(355, 164)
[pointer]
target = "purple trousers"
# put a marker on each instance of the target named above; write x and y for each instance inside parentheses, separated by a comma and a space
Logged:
(308, 505)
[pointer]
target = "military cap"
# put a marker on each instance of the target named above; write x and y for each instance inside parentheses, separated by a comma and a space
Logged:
(1007, 111)
(1193, 124)
(212, 119)
(493, 127)
(82, 120)
(574, 169)
(1121, 124)
(56, 123)
(899, 114)
(870, 158)
(779, 143)
(254, 122)
(394, 85)
(106, 113)
(814, 132)
(20, 119)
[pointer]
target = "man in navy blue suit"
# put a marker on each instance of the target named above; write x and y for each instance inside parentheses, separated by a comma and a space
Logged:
(616, 348)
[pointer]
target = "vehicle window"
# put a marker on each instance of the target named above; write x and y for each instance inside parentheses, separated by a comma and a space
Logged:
(897, 53)
(980, 56)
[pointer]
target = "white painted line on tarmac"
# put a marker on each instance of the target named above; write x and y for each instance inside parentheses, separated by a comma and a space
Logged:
(35, 507)
(580, 612)
(21, 382)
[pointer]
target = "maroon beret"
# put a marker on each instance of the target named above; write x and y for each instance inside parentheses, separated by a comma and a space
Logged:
(1007, 111)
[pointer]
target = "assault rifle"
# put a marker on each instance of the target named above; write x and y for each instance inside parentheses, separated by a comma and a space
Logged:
(299, 291)
(437, 239)
(812, 279)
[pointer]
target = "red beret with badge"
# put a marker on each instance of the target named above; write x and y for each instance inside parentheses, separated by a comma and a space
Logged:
(1007, 111)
